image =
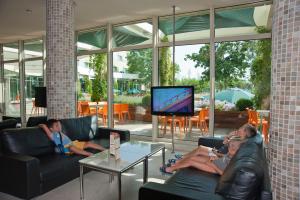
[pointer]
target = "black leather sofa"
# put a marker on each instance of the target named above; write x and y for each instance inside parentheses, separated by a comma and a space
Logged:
(8, 123)
(245, 178)
(28, 164)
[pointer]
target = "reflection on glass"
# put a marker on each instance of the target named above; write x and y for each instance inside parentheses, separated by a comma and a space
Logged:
(189, 71)
(33, 78)
(92, 40)
(187, 27)
(133, 34)
(33, 49)
(10, 51)
(12, 89)
(92, 86)
(242, 21)
(132, 74)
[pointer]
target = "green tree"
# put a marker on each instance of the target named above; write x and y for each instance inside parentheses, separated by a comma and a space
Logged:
(140, 62)
(232, 61)
(166, 65)
(87, 85)
(98, 62)
(261, 71)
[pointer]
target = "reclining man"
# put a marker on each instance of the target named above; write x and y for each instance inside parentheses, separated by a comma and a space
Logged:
(214, 165)
(246, 131)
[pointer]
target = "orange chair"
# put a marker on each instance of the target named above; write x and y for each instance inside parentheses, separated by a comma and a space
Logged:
(200, 120)
(177, 121)
(125, 110)
(103, 113)
(255, 121)
(118, 111)
(85, 109)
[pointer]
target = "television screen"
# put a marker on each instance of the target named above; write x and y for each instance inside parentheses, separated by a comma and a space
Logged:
(172, 100)
(40, 97)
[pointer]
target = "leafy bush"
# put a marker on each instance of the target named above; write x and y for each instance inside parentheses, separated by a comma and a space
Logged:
(242, 104)
(146, 101)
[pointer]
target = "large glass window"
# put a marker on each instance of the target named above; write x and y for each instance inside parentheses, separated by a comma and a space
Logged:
(12, 89)
(243, 78)
(92, 40)
(132, 34)
(188, 71)
(132, 82)
(33, 78)
(11, 51)
(187, 27)
(242, 21)
(33, 49)
(92, 86)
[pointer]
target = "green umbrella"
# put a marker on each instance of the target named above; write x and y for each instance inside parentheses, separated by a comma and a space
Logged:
(232, 95)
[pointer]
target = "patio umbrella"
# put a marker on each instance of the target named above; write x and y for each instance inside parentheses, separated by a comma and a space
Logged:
(122, 36)
(232, 95)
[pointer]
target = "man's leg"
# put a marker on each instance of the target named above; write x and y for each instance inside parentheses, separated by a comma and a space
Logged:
(93, 146)
(199, 151)
(79, 151)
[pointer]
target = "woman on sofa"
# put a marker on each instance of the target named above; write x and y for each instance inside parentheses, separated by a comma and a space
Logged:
(63, 143)
(209, 164)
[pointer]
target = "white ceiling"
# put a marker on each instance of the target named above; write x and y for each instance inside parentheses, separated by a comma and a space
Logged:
(17, 23)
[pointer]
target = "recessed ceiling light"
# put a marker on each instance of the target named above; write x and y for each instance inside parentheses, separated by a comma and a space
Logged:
(28, 11)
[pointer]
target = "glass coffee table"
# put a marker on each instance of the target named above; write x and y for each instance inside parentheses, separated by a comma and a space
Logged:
(131, 154)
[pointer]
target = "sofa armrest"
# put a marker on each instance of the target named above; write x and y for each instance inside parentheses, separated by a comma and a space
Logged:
(104, 133)
(210, 142)
(20, 175)
(158, 191)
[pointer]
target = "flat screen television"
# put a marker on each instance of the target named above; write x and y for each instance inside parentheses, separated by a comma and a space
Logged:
(40, 97)
(172, 100)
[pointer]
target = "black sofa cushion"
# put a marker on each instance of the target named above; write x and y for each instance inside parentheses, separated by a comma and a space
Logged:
(8, 123)
(77, 128)
(195, 180)
(26, 141)
(243, 177)
(34, 121)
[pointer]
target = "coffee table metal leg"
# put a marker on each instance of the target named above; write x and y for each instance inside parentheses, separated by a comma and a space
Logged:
(81, 183)
(119, 186)
(163, 156)
(145, 178)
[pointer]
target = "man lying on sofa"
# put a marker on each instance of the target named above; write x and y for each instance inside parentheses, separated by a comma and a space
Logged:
(63, 143)
(214, 165)
(245, 131)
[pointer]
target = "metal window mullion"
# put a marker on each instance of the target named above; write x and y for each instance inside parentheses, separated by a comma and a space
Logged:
(91, 52)
(129, 48)
(110, 94)
(2, 80)
(212, 72)
(44, 61)
(76, 74)
(22, 83)
(155, 71)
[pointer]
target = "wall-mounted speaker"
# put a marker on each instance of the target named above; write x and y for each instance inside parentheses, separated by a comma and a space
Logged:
(40, 97)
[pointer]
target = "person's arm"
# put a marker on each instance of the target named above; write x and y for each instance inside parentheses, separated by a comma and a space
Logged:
(217, 169)
(46, 130)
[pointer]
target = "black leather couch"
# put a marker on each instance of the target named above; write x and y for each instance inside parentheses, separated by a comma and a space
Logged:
(245, 178)
(30, 167)
(8, 123)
